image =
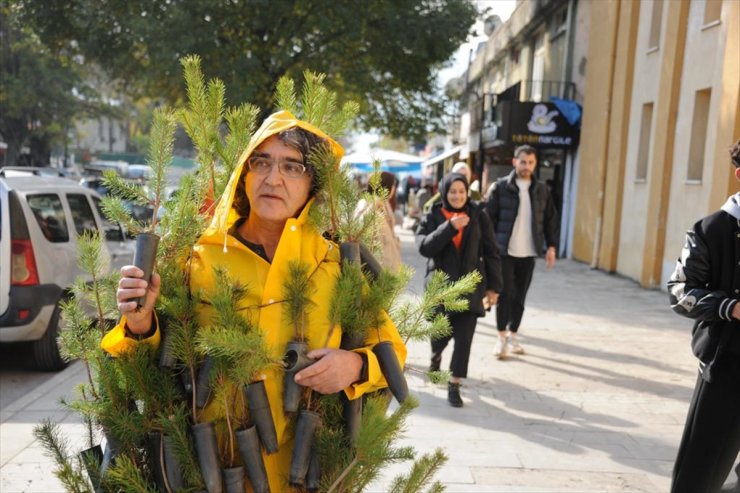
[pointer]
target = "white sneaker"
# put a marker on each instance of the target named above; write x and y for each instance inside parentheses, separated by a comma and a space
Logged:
(514, 345)
(500, 349)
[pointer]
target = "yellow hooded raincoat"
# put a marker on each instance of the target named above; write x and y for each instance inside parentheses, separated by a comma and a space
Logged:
(263, 303)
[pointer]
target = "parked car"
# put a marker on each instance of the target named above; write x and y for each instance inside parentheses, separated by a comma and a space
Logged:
(40, 218)
(32, 171)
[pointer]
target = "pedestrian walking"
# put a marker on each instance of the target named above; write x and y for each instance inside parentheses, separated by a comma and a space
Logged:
(526, 224)
(705, 287)
(457, 238)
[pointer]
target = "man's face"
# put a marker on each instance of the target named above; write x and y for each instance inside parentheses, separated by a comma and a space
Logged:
(524, 164)
(273, 196)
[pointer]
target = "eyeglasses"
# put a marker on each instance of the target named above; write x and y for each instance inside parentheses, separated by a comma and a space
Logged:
(263, 165)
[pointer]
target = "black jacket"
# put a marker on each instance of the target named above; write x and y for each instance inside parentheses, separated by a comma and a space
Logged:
(502, 206)
(706, 286)
(478, 250)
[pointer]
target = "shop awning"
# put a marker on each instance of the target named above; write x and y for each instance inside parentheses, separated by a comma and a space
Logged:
(441, 157)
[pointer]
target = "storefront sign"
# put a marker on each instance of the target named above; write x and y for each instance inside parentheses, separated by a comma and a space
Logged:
(536, 124)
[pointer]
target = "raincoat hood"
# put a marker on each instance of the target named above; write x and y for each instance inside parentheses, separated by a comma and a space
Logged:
(444, 187)
(225, 215)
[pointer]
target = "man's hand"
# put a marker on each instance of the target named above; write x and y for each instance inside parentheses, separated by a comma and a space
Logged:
(130, 287)
(736, 311)
(334, 370)
(550, 257)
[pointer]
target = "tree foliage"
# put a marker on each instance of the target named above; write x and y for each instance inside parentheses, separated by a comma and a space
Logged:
(41, 91)
(384, 53)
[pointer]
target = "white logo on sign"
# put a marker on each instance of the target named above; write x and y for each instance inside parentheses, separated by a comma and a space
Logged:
(541, 121)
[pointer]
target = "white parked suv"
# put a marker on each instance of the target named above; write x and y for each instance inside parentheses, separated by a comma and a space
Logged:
(40, 218)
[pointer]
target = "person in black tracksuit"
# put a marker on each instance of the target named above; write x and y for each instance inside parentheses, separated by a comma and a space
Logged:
(705, 286)
(457, 238)
(526, 223)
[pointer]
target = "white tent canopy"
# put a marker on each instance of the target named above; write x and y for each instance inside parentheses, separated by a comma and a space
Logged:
(382, 155)
(393, 161)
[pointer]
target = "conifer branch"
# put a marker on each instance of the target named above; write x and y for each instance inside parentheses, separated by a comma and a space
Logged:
(55, 446)
(126, 476)
(421, 474)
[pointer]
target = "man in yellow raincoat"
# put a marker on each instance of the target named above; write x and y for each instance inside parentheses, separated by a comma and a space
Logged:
(259, 226)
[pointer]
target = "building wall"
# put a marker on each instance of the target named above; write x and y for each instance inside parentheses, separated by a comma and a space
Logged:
(705, 49)
(645, 90)
(636, 226)
(95, 135)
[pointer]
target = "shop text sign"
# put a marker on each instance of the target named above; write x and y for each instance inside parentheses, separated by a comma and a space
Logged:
(540, 124)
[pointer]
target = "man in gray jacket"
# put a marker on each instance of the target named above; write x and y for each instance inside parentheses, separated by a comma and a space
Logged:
(705, 287)
(526, 224)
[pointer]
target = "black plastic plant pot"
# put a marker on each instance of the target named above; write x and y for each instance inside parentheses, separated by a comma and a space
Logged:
(261, 415)
(92, 458)
(351, 341)
(166, 354)
(305, 430)
(352, 417)
(392, 370)
(313, 476)
(369, 263)
(234, 480)
(145, 255)
(203, 382)
(172, 466)
(350, 251)
(112, 450)
(248, 442)
(294, 360)
(156, 460)
(204, 435)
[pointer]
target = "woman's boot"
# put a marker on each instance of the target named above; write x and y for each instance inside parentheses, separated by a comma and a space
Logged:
(453, 394)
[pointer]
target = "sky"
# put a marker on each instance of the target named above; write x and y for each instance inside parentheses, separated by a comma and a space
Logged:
(502, 8)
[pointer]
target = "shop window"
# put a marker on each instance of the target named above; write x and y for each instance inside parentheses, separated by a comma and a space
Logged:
(712, 11)
(698, 135)
(656, 20)
(643, 151)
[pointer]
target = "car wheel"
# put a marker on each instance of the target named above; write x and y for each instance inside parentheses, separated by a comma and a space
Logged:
(46, 350)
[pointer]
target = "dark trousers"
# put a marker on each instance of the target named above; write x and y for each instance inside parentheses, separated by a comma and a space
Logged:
(711, 437)
(517, 274)
(463, 328)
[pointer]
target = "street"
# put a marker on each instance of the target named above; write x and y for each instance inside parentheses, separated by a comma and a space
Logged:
(596, 404)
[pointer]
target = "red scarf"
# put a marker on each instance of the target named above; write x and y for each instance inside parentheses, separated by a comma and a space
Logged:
(457, 239)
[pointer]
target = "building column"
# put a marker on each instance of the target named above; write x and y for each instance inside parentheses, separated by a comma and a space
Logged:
(722, 179)
(661, 159)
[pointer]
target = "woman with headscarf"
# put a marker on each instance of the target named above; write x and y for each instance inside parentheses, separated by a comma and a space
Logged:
(457, 238)
(259, 227)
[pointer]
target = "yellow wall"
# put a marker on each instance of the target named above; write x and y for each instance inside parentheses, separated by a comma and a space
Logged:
(636, 226)
(706, 47)
(594, 131)
(661, 157)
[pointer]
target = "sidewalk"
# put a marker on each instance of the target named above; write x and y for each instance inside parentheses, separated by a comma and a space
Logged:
(596, 404)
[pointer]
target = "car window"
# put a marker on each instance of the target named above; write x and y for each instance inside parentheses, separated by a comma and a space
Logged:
(82, 214)
(49, 213)
(112, 231)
